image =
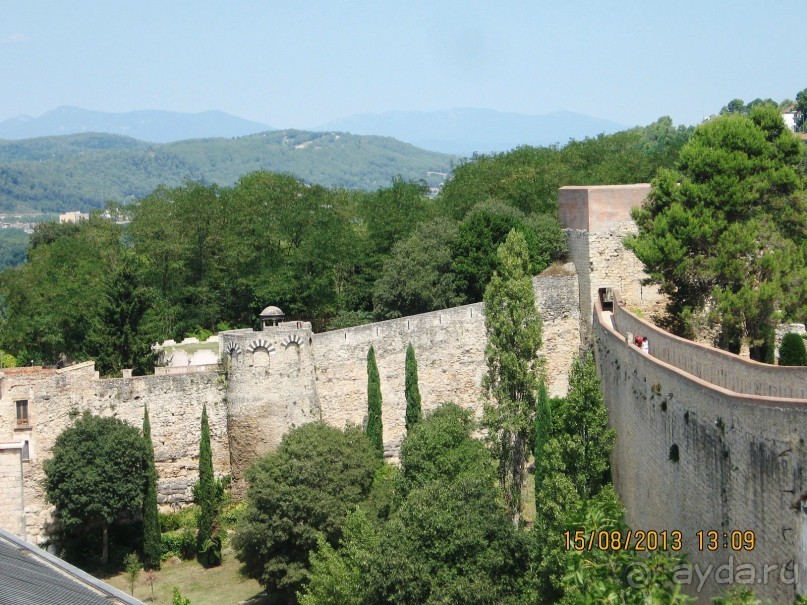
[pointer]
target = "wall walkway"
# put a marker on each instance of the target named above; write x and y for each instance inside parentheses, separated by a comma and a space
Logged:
(695, 455)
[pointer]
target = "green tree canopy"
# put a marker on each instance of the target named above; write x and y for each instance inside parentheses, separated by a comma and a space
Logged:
(52, 301)
(98, 472)
(417, 276)
(440, 448)
(447, 539)
(303, 490)
(123, 330)
(571, 471)
(728, 226)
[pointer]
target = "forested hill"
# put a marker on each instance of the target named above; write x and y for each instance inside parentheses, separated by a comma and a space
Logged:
(84, 171)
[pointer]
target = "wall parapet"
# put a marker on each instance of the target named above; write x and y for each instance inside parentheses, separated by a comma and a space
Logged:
(713, 366)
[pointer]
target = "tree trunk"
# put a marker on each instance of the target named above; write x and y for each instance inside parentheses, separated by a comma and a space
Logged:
(105, 550)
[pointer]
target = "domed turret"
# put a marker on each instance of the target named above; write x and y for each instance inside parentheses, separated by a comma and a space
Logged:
(271, 316)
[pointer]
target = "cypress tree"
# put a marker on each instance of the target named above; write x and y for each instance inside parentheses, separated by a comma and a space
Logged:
(375, 430)
(152, 540)
(543, 429)
(413, 411)
(206, 497)
(792, 352)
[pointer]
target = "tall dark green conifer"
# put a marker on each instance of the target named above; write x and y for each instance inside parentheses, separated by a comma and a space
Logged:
(152, 540)
(207, 542)
(513, 326)
(375, 429)
(120, 336)
(543, 428)
(413, 410)
(792, 352)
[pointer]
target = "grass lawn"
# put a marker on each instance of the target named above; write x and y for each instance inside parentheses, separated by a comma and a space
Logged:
(217, 586)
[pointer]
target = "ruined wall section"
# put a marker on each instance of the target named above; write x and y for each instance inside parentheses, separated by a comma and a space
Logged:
(56, 397)
(692, 456)
(270, 389)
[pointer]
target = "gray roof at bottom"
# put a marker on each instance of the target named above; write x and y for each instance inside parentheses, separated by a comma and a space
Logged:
(31, 576)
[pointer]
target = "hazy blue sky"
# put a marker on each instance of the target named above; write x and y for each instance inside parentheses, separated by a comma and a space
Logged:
(301, 63)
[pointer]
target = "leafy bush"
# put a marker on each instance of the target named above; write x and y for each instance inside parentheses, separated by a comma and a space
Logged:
(232, 514)
(178, 599)
(184, 517)
(179, 543)
(300, 492)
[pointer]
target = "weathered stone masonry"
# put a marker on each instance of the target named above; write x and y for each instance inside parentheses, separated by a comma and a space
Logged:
(269, 381)
(54, 397)
(708, 441)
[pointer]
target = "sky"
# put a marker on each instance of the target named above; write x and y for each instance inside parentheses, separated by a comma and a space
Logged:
(298, 64)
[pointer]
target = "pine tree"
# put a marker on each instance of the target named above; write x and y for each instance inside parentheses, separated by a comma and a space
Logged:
(375, 430)
(513, 327)
(208, 543)
(792, 352)
(120, 337)
(152, 540)
(413, 410)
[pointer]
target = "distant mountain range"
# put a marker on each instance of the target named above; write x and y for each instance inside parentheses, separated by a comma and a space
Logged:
(152, 126)
(466, 131)
(455, 131)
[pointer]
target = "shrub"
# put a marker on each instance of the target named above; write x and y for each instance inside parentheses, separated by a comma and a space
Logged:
(184, 517)
(179, 543)
(792, 352)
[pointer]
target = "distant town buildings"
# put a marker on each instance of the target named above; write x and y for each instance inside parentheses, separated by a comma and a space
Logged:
(73, 217)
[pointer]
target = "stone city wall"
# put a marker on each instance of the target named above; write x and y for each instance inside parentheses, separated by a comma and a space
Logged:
(714, 366)
(12, 502)
(55, 397)
(450, 351)
(692, 456)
